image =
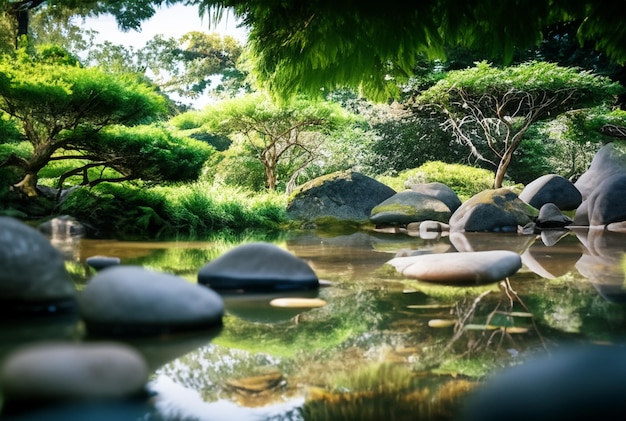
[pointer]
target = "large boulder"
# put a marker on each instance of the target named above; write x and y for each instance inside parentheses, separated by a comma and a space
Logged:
(33, 278)
(54, 371)
(409, 206)
(343, 196)
(439, 191)
(130, 300)
(493, 210)
(602, 187)
(258, 267)
(607, 202)
(552, 188)
(607, 162)
(573, 382)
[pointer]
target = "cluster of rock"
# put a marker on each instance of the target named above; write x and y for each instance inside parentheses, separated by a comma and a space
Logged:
(597, 198)
(428, 210)
(119, 302)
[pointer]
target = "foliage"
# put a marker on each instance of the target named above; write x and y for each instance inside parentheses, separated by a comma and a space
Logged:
(497, 106)
(308, 46)
(191, 211)
(289, 135)
(466, 181)
(184, 68)
(59, 106)
(151, 153)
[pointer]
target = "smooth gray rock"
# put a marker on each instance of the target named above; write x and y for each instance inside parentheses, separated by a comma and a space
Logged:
(53, 371)
(550, 216)
(101, 262)
(33, 271)
(584, 382)
(607, 162)
(130, 300)
(439, 191)
(494, 210)
(258, 267)
(409, 206)
(464, 268)
(552, 188)
(347, 196)
(607, 203)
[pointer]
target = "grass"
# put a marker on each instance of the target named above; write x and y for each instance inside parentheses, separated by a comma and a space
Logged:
(192, 211)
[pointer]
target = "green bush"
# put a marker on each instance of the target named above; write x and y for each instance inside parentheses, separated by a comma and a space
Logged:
(466, 181)
(190, 211)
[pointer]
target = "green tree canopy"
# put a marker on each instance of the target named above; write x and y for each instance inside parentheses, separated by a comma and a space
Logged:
(498, 105)
(293, 132)
(58, 105)
(312, 45)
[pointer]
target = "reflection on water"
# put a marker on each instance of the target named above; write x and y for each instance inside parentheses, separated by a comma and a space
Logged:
(384, 346)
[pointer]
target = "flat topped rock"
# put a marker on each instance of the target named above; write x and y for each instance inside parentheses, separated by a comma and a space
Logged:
(463, 268)
(130, 300)
(258, 267)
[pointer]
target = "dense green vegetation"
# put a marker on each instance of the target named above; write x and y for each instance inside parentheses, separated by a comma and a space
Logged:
(105, 133)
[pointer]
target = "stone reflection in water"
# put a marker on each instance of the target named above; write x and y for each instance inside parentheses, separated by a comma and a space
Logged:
(553, 261)
(208, 384)
(176, 402)
(601, 262)
(484, 241)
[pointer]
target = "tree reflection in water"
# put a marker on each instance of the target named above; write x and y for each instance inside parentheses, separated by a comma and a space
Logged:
(386, 347)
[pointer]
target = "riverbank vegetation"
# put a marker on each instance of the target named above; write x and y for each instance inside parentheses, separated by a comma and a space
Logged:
(93, 130)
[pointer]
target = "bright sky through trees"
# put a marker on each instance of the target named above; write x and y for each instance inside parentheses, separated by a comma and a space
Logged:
(173, 21)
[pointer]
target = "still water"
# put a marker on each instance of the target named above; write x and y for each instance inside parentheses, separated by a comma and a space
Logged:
(383, 346)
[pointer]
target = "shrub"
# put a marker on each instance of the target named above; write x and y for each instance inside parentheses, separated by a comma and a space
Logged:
(466, 181)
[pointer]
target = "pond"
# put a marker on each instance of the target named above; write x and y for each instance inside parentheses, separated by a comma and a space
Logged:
(383, 347)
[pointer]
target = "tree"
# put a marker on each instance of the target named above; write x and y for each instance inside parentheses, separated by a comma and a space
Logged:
(312, 45)
(185, 66)
(278, 134)
(128, 13)
(499, 105)
(60, 106)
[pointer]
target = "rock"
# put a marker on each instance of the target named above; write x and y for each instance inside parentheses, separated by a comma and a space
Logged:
(608, 161)
(343, 196)
(552, 188)
(63, 226)
(551, 217)
(409, 206)
(55, 371)
(572, 383)
(33, 279)
(607, 203)
(130, 300)
(258, 267)
(439, 191)
(459, 268)
(101, 262)
(494, 210)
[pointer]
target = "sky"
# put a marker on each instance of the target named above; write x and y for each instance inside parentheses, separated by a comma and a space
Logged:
(173, 21)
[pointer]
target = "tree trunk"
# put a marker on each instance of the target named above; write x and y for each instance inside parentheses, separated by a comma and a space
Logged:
(28, 185)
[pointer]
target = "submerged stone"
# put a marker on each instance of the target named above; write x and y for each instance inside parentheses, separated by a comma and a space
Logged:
(261, 267)
(459, 268)
(130, 300)
(101, 262)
